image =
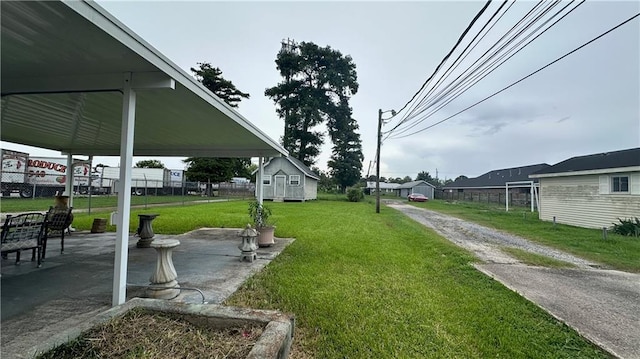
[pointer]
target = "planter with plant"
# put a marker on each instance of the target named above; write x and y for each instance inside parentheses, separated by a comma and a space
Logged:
(260, 214)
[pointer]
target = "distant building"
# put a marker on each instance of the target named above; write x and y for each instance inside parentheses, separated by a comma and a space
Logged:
(384, 187)
(288, 179)
(491, 186)
(422, 187)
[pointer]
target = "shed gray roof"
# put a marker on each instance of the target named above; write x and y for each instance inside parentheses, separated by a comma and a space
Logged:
(298, 164)
(598, 161)
(497, 178)
(302, 167)
(414, 184)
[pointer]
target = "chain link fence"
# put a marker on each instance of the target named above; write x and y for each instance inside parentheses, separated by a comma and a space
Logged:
(516, 197)
(94, 192)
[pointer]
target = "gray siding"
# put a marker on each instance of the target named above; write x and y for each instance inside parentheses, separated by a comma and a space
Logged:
(310, 188)
(280, 166)
(423, 189)
(581, 201)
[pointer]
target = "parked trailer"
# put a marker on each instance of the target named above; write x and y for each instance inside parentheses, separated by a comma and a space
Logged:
(14, 172)
(34, 176)
(143, 180)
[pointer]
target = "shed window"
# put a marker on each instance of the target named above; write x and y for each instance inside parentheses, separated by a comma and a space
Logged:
(620, 184)
(266, 180)
(294, 180)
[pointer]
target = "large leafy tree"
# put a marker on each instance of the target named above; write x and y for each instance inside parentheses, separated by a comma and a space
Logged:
(424, 176)
(216, 170)
(326, 183)
(211, 78)
(149, 164)
(318, 82)
(346, 156)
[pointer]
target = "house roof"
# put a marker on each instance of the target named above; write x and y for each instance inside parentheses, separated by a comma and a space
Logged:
(497, 178)
(63, 72)
(598, 161)
(298, 164)
(414, 184)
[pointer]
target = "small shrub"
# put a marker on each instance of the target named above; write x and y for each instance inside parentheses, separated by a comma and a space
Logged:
(355, 195)
(259, 214)
(627, 227)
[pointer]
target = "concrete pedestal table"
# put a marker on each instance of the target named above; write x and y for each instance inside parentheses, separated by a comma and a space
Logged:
(163, 282)
(145, 230)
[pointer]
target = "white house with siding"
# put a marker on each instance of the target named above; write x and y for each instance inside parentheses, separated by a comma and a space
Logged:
(591, 191)
(384, 187)
(288, 179)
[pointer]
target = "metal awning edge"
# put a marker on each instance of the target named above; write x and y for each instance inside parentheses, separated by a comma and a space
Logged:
(93, 12)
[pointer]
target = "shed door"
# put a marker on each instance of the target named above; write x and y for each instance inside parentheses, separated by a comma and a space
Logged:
(280, 182)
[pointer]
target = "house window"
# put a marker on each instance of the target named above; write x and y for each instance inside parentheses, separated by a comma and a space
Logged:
(620, 184)
(294, 180)
(266, 180)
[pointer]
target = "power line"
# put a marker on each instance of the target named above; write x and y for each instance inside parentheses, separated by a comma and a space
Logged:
(474, 71)
(464, 52)
(449, 54)
(488, 70)
(537, 17)
(526, 77)
(407, 117)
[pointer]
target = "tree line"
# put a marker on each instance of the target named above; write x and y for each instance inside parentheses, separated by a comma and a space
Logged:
(312, 100)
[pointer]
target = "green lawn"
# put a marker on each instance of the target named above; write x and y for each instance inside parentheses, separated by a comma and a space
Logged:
(382, 286)
(363, 285)
(366, 285)
(617, 252)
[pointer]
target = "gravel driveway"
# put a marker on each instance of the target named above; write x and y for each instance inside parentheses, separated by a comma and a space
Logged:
(602, 305)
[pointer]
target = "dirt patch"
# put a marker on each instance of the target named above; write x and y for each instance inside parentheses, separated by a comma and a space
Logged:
(144, 334)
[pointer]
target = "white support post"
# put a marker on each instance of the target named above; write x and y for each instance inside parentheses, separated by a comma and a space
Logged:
(124, 192)
(68, 186)
(260, 184)
(506, 198)
(532, 197)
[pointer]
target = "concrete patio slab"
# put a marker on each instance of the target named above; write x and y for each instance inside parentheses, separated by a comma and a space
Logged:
(77, 285)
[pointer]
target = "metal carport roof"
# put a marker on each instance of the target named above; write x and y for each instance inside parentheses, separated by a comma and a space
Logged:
(63, 66)
(76, 80)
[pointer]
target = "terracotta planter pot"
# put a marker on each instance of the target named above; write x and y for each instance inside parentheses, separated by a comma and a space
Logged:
(265, 238)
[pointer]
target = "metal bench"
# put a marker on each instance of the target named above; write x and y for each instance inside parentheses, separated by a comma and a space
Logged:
(24, 231)
(57, 222)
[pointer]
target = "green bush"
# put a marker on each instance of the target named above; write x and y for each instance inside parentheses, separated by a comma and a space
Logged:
(627, 227)
(355, 195)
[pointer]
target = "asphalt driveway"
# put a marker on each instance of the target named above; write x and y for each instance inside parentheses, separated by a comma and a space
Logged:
(602, 305)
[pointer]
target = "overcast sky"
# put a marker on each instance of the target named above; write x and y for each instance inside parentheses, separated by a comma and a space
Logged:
(587, 103)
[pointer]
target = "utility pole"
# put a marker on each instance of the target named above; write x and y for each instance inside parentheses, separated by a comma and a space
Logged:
(380, 112)
(378, 161)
